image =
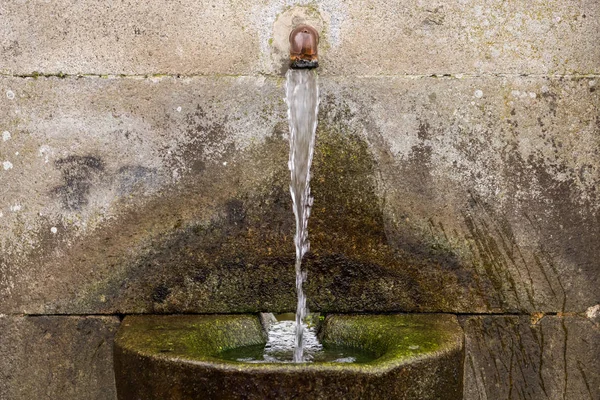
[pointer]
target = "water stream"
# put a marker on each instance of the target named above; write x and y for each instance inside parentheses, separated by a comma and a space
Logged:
(292, 340)
(302, 97)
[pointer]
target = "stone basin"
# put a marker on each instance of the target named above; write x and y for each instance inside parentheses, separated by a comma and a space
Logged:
(418, 356)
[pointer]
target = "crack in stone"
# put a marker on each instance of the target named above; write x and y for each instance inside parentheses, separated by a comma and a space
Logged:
(458, 75)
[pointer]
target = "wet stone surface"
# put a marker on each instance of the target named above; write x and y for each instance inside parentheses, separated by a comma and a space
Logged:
(281, 340)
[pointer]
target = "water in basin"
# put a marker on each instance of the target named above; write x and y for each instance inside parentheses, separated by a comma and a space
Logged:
(281, 344)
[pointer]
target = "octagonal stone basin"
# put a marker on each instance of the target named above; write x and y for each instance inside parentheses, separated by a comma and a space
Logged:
(417, 356)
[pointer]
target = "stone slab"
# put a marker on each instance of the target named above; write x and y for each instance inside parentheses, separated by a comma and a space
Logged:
(171, 195)
(358, 37)
(523, 357)
(503, 171)
(53, 357)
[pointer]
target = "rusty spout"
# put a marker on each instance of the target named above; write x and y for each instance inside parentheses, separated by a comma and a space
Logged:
(303, 47)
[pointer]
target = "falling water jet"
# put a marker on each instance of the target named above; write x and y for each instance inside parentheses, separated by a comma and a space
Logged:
(302, 97)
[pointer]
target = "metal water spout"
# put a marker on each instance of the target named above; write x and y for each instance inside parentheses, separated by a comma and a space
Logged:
(304, 40)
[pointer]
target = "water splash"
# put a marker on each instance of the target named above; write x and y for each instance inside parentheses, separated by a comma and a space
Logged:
(282, 339)
(280, 348)
(302, 97)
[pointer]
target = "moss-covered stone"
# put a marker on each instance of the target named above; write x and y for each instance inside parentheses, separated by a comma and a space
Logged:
(392, 338)
(177, 357)
(190, 337)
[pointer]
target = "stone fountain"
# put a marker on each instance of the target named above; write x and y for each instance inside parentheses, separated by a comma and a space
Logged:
(410, 356)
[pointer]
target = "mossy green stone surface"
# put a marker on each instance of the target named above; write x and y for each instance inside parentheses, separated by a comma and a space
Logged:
(190, 337)
(177, 357)
(395, 339)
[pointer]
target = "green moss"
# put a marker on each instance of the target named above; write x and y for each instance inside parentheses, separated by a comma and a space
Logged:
(196, 337)
(346, 215)
(394, 339)
(36, 75)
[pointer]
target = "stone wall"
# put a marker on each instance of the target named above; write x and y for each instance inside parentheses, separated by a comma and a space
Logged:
(51, 357)
(144, 170)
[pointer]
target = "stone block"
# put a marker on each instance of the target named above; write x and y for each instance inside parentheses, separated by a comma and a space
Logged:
(171, 195)
(51, 357)
(418, 357)
(522, 357)
(358, 37)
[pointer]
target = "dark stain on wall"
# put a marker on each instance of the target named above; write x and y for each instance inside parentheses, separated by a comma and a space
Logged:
(242, 260)
(78, 173)
(160, 293)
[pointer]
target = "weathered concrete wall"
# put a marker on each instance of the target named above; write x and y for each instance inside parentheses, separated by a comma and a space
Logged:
(364, 37)
(530, 358)
(456, 195)
(57, 357)
(457, 170)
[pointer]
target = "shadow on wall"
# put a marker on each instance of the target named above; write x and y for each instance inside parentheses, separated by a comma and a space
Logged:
(222, 241)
